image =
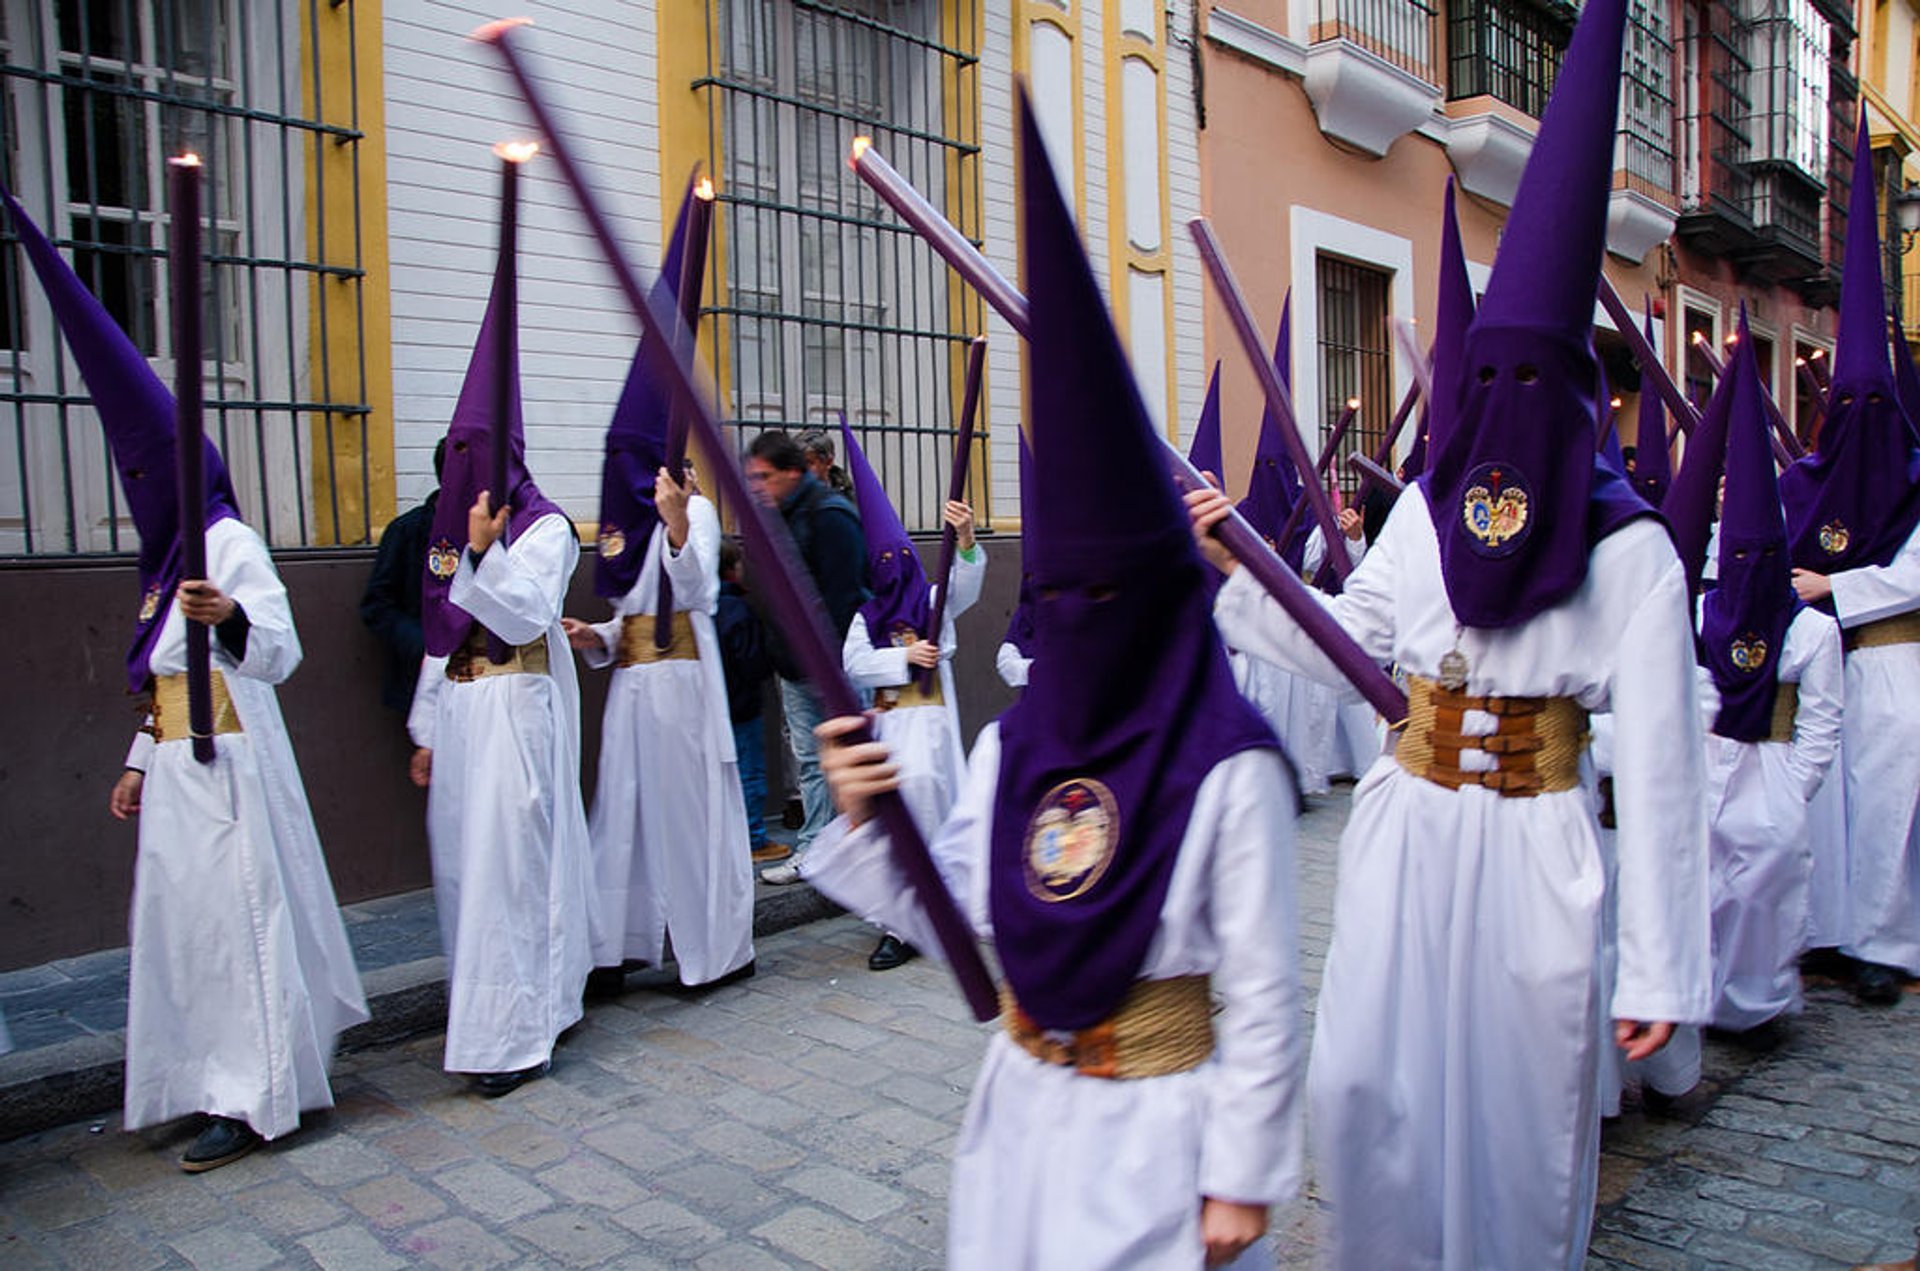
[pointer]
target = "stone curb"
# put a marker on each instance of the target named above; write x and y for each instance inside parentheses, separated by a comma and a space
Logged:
(82, 1077)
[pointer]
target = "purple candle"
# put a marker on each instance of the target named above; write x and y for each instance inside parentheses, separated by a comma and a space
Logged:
(789, 590)
(1320, 469)
(183, 201)
(1371, 473)
(956, 489)
(693, 271)
(1241, 318)
(1685, 416)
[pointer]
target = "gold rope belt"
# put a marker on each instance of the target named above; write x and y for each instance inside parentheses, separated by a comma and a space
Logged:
(1902, 628)
(470, 662)
(1161, 1027)
(901, 696)
(636, 641)
(1786, 706)
(170, 718)
(1536, 742)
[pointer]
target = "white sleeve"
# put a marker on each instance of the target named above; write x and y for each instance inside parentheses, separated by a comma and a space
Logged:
(1816, 720)
(140, 753)
(855, 867)
(1873, 592)
(1253, 1144)
(969, 578)
(869, 667)
(1253, 622)
(601, 655)
(1659, 780)
(695, 568)
(238, 563)
(1012, 664)
(517, 591)
(422, 716)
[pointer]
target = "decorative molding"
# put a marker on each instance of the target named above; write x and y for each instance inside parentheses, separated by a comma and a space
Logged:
(1262, 44)
(1363, 99)
(1488, 152)
(1636, 224)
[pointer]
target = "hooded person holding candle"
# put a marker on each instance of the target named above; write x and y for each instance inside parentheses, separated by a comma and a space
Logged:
(669, 824)
(1521, 585)
(1853, 529)
(496, 719)
(1120, 834)
(887, 649)
(1775, 668)
(240, 978)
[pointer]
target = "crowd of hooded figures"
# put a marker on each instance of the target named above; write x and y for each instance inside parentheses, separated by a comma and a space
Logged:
(1657, 747)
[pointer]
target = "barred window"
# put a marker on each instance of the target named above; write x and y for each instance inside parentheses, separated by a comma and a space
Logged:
(1788, 85)
(1508, 49)
(1646, 96)
(1356, 362)
(98, 94)
(1400, 31)
(829, 302)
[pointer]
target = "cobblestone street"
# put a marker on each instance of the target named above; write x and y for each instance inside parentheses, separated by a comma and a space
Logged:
(805, 1117)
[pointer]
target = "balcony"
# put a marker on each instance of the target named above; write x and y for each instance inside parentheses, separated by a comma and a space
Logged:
(1371, 70)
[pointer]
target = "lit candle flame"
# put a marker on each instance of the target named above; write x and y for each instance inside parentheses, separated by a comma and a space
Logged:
(1816, 355)
(1733, 338)
(1615, 403)
(703, 190)
(516, 151)
(1353, 403)
(492, 31)
(187, 160)
(1799, 361)
(1698, 338)
(860, 147)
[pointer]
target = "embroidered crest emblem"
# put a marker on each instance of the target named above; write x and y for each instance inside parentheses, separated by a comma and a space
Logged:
(1497, 508)
(1071, 839)
(1749, 652)
(150, 603)
(612, 542)
(1834, 538)
(443, 558)
(903, 636)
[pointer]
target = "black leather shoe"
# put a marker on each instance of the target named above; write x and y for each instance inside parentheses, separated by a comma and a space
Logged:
(891, 952)
(1877, 985)
(224, 1141)
(491, 1085)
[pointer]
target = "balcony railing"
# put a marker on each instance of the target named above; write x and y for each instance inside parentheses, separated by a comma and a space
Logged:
(1506, 49)
(1402, 32)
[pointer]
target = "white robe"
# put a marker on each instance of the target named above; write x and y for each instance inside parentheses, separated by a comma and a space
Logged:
(925, 740)
(1454, 1080)
(241, 977)
(1882, 750)
(669, 825)
(1053, 1169)
(1757, 795)
(512, 866)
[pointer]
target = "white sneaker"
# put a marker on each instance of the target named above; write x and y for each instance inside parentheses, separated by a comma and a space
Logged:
(787, 871)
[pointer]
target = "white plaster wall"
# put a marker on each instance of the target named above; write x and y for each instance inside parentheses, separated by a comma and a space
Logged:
(447, 102)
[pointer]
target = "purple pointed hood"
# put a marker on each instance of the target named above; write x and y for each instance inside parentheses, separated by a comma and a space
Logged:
(137, 413)
(1744, 619)
(1204, 454)
(1856, 498)
(1453, 314)
(1517, 494)
(902, 604)
(1690, 507)
(1608, 423)
(1652, 461)
(1130, 703)
(469, 469)
(1020, 622)
(1273, 486)
(637, 444)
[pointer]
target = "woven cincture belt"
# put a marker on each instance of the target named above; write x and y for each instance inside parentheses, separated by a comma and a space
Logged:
(1536, 742)
(170, 721)
(1161, 1027)
(638, 649)
(470, 661)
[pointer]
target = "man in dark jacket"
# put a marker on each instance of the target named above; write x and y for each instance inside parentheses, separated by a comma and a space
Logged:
(391, 605)
(743, 656)
(826, 529)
